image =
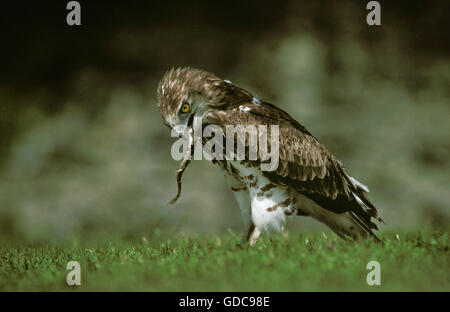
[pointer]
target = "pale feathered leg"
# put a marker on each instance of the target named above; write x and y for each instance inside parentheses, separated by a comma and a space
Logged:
(241, 194)
(284, 231)
(248, 233)
(254, 237)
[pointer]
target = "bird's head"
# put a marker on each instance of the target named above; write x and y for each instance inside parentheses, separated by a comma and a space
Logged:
(185, 93)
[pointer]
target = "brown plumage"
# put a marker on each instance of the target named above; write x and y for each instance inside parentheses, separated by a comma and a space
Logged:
(308, 174)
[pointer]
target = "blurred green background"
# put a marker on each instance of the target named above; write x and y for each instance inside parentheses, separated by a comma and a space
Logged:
(84, 153)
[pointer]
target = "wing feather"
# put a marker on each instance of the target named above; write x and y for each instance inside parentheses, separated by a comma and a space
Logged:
(305, 165)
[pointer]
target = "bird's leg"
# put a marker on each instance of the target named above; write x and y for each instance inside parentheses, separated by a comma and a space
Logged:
(253, 239)
(247, 233)
(284, 231)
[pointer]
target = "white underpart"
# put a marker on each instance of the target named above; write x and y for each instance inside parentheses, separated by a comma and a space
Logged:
(357, 183)
(242, 198)
(254, 207)
(265, 221)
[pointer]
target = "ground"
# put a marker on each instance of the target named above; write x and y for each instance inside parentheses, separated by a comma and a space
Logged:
(410, 261)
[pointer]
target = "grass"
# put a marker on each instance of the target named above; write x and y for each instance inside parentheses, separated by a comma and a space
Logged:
(410, 261)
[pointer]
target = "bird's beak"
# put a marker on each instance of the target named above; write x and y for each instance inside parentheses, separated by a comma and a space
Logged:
(179, 130)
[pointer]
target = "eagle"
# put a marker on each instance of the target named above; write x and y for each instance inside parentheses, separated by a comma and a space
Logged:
(308, 181)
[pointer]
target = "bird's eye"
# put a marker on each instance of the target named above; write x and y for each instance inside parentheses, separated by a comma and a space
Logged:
(185, 108)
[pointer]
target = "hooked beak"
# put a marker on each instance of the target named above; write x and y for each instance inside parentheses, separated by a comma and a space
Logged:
(179, 130)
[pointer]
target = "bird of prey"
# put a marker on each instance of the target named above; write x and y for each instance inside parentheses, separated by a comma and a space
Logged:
(309, 180)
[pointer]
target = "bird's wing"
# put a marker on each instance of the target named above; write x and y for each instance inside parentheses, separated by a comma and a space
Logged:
(305, 165)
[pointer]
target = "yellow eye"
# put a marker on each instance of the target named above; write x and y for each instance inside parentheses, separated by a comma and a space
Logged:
(185, 108)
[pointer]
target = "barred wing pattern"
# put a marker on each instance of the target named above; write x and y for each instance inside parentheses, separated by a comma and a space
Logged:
(305, 165)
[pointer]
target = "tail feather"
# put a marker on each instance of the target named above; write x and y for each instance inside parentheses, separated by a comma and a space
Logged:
(364, 226)
(350, 225)
(357, 221)
(359, 192)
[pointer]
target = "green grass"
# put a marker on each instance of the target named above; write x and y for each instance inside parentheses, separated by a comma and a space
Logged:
(412, 261)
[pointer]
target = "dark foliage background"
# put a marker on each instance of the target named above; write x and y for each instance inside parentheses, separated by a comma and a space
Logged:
(83, 150)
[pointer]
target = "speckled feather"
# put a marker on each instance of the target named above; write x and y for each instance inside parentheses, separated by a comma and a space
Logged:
(305, 165)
